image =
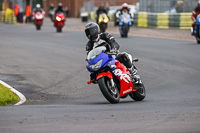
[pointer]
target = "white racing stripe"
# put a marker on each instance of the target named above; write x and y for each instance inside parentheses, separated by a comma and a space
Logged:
(21, 96)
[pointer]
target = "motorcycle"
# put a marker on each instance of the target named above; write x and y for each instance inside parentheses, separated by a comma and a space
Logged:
(38, 18)
(103, 22)
(59, 21)
(51, 14)
(197, 30)
(124, 24)
(113, 78)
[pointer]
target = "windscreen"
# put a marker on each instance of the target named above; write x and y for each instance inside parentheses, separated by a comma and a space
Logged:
(95, 52)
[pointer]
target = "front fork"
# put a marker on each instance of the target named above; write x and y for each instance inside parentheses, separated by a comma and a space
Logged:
(112, 83)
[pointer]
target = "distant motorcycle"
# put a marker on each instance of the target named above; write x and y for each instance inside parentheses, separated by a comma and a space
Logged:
(51, 14)
(124, 24)
(38, 18)
(113, 78)
(59, 21)
(103, 22)
(197, 30)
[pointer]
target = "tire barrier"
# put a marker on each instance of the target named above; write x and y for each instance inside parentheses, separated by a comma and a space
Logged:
(142, 19)
(185, 20)
(8, 17)
(2, 16)
(163, 20)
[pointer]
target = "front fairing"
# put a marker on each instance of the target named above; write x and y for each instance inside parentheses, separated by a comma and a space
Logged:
(60, 18)
(105, 60)
(198, 20)
(38, 16)
(125, 19)
(103, 18)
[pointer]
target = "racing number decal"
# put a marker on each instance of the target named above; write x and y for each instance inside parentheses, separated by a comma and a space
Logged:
(124, 77)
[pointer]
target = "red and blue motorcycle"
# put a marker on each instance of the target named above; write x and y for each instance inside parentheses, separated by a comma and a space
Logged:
(113, 78)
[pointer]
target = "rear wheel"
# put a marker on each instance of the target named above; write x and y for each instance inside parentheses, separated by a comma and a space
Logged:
(140, 92)
(109, 92)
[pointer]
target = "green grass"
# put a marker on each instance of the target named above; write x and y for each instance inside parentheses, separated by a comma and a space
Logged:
(7, 96)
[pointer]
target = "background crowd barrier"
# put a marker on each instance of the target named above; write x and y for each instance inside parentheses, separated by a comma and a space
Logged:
(8, 17)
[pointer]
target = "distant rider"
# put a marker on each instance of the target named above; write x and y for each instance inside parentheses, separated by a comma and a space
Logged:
(96, 39)
(59, 8)
(38, 9)
(99, 11)
(51, 11)
(124, 10)
(195, 13)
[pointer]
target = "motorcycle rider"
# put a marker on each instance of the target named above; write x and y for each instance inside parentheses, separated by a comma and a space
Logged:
(38, 9)
(100, 10)
(59, 8)
(51, 11)
(123, 10)
(96, 39)
(195, 13)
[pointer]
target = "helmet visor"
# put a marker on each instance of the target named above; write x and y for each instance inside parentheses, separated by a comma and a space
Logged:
(91, 33)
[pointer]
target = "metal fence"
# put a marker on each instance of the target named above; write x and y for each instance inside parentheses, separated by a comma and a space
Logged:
(169, 6)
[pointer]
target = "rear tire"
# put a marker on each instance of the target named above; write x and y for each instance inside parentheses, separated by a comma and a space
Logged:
(140, 92)
(111, 94)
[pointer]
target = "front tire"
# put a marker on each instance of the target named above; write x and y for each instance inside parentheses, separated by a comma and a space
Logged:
(140, 92)
(59, 29)
(125, 29)
(103, 27)
(38, 27)
(110, 93)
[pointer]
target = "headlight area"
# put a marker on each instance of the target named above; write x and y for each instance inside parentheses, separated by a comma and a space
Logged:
(58, 18)
(105, 20)
(96, 66)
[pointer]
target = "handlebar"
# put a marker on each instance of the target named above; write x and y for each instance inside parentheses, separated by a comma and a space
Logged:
(113, 52)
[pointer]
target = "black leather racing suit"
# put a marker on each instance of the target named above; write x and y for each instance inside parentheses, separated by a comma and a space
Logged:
(104, 37)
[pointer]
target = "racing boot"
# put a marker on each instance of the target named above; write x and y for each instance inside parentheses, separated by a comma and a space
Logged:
(135, 77)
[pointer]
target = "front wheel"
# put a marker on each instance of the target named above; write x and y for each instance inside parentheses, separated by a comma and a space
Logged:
(103, 27)
(126, 29)
(198, 42)
(140, 92)
(59, 29)
(38, 27)
(109, 92)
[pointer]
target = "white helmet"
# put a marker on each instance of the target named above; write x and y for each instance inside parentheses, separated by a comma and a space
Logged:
(38, 5)
(125, 5)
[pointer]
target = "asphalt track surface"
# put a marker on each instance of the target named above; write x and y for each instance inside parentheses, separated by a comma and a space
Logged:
(49, 69)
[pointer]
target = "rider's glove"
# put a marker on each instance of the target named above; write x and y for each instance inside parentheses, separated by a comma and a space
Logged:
(114, 50)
